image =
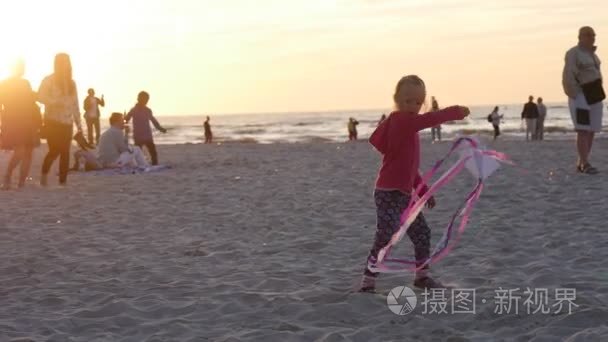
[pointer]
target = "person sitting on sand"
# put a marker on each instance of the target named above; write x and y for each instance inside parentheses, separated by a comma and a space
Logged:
(398, 141)
(208, 134)
(495, 118)
(113, 150)
(142, 133)
(352, 129)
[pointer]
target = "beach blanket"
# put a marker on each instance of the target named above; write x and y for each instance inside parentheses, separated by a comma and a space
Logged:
(129, 170)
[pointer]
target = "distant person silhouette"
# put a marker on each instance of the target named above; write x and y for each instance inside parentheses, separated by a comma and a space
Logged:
(530, 115)
(142, 133)
(61, 111)
(542, 114)
(21, 121)
(352, 129)
(208, 134)
(582, 82)
(92, 114)
(435, 130)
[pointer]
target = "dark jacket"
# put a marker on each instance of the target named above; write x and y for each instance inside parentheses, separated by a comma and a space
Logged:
(142, 116)
(530, 111)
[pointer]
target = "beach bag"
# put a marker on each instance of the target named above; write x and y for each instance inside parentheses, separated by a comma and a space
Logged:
(489, 117)
(594, 91)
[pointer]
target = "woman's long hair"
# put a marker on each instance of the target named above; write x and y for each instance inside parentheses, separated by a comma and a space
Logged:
(63, 74)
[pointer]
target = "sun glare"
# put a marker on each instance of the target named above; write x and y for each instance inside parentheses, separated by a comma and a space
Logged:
(35, 31)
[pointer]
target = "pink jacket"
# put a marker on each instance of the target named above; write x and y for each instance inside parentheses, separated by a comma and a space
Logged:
(398, 141)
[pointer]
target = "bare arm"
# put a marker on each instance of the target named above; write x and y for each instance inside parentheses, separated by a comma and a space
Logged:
(129, 116)
(156, 124)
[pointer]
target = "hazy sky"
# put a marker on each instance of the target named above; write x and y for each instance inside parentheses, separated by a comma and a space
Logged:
(227, 56)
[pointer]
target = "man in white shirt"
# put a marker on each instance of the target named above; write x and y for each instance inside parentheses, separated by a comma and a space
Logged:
(582, 82)
(92, 115)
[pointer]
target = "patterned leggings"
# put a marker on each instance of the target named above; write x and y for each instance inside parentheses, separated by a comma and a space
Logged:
(389, 207)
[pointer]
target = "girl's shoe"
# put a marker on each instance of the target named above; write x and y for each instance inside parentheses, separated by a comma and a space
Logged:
(427, 282)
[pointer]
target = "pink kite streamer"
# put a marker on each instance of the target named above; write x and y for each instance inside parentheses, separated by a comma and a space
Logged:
(481, 164)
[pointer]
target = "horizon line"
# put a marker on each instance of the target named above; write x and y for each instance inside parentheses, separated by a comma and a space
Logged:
(380, 111)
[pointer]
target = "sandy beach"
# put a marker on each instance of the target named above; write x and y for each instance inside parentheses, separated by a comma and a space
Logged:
(249, 242)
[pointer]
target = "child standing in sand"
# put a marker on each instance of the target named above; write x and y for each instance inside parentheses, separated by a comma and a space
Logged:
(142, 133)
(398, 141)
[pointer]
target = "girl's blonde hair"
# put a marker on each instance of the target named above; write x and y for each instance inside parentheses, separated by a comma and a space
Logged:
(412, 80)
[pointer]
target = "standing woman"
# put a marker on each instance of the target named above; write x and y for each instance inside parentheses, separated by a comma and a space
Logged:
(20, 124)
(61, 111)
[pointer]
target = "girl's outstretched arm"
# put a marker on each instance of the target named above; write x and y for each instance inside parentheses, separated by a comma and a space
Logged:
(428, 120)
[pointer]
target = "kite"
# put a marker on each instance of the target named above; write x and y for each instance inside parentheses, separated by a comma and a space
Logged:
(481, 163)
